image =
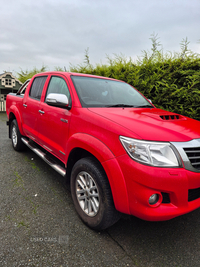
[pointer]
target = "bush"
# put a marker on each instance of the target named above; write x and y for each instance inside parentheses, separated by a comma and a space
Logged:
(25, 75)
(171, 81)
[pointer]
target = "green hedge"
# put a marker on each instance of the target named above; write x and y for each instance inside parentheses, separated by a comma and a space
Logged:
(172, 83)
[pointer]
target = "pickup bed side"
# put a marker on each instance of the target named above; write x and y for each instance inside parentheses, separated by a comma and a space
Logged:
(13, 107)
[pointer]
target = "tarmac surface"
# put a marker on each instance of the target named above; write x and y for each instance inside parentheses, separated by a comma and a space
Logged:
(39, 225)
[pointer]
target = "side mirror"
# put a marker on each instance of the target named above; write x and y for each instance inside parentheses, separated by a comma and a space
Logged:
(57, 100)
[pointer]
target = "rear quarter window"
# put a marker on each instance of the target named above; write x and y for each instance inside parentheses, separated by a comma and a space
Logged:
(37, 87)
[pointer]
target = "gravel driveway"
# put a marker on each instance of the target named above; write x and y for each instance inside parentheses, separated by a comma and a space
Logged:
(39, 225)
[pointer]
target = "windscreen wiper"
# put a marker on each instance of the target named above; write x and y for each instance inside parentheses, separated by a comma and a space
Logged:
(144, 106)
(120, 105)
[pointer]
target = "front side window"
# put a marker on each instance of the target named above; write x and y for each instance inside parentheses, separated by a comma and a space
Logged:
(58, 85)
(37, 87)
(97, 92)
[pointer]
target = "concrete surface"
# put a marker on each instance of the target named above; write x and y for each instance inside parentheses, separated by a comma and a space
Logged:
(39, 225)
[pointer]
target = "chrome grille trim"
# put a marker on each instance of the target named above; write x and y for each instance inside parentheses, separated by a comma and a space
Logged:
(190, 154)
(194, 156)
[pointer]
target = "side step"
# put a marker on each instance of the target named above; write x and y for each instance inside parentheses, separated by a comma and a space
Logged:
(44, 156)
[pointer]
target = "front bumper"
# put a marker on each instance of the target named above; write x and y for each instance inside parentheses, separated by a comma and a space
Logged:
(178, 184)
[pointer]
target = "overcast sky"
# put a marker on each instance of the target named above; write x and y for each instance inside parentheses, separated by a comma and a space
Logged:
(55, 33)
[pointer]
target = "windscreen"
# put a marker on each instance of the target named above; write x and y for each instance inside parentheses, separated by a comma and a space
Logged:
(97, 92)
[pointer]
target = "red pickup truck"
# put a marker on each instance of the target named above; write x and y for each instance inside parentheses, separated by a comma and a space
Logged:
(120, 152)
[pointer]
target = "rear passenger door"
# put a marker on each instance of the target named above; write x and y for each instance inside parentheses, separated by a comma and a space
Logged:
(30, 108)
(53, 122)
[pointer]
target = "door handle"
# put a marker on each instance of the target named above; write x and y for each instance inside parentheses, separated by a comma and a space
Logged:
(63, 120)
(41, 112)
(25, 105)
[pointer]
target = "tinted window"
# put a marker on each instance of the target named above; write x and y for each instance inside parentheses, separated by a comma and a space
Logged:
(58, 85)
(37, 87)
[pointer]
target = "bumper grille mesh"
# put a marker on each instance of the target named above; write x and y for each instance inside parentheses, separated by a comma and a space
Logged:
(166, 198)
(193, 194)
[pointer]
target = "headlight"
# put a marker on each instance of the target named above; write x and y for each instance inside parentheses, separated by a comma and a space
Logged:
(151, 153)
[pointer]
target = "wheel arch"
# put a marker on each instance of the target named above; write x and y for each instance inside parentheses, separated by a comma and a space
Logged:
(84, 145)
(11, 118)
(14, 114)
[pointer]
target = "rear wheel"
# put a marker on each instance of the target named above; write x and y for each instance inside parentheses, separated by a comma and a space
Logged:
(16, 136)
(92, 195)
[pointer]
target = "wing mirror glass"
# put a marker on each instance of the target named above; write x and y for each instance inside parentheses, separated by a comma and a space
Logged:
(57, 100)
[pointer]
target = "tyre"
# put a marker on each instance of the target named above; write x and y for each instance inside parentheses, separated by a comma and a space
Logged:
(16, 137)
(92, 195)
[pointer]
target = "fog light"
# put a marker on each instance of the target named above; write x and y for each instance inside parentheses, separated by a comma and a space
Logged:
(153, 199)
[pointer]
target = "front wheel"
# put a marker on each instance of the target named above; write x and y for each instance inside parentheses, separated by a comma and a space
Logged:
(16, 137)
(92, 195)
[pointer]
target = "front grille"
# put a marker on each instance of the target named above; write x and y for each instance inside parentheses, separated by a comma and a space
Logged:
(193, 194)
(193, 154)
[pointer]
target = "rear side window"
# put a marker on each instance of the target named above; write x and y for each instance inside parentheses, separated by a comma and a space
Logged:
(37, 87)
